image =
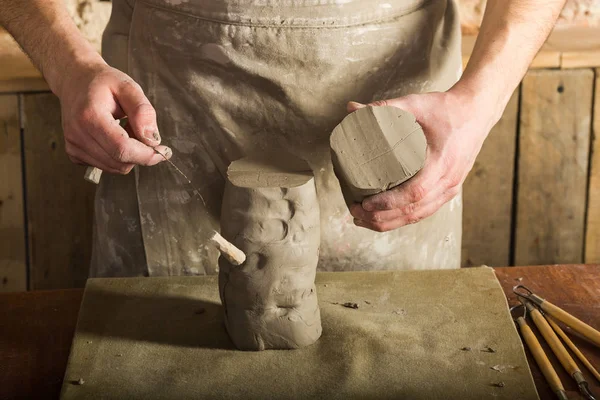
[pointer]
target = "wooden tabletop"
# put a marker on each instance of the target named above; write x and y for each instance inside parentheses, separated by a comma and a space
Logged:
(36, 328)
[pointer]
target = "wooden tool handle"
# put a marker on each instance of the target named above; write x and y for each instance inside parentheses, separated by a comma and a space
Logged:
(228, 250)
(584, 329)
(92, 174)
(540, 357)
(554, 342)
(572, 346)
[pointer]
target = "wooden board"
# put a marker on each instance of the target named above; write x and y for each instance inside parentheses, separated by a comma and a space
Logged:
(574, 288)
(488, 195)
(24, 85)
(592, 238)
(14, 64)
(13, 267)
(37, 331)
(59, 201)
(554, 139)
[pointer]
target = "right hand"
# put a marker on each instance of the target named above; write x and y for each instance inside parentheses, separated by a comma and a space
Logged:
(92, 103)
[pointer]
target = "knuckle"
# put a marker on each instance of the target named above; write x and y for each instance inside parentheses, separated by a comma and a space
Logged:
(376, 217)
(379, 103)
(413, 219)
(417, 193)
(128, 84)
(410, 208)
(144, 109)
(87, 115)
(453, 181)
(387, 203)
(453, 191)
(120, 152)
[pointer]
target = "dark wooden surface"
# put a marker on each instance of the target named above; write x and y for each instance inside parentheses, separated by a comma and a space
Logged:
(36, 328)
(575, 289)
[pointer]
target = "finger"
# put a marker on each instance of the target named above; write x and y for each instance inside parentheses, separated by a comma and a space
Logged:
(360, 213)
(353, 106)
(140, 113)
(115, 141)
(411, 191)
(404, 220)
(93, 149)
(79, 156)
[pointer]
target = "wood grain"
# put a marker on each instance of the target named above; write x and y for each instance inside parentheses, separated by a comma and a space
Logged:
(23, 85)
(13, 267)
(575, 289)
(59, 201)
(592, 238)
(37, 330)
(554, 139)
(488, 195)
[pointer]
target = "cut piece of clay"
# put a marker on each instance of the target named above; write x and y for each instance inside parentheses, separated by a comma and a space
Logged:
(270, 211)
(376, 148)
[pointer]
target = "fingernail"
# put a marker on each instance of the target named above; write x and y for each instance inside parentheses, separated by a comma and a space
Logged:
(358, 222)
(152, 134)
(368, 206)
(168, 152)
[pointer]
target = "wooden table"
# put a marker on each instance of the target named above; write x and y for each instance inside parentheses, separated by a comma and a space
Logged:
(36, 328)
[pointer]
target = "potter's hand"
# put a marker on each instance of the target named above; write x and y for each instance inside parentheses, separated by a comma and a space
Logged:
(92, 101)
(455, 128)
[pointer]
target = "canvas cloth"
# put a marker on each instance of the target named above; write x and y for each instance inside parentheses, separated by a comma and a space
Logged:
(163, 338)
(231, 78)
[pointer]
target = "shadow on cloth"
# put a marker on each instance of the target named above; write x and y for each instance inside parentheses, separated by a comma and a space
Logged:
(176, 321)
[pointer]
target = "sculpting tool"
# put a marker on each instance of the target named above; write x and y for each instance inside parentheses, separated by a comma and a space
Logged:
(234, 255)
(558, 313)
(541, 358)
(558, 349)
(572, 346)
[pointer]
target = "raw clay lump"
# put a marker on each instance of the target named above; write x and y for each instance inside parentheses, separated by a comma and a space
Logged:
(376, 148)
(270, 212)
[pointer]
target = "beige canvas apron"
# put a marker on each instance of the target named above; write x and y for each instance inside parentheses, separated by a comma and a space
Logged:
(230, 78)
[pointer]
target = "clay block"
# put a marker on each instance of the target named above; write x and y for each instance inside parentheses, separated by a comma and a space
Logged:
(270, 211)
(375, 149)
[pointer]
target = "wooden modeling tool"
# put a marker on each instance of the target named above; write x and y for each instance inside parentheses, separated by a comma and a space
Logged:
(541, 359)
(234, 255)
(572, 346)
(558, 313)
(558, 349)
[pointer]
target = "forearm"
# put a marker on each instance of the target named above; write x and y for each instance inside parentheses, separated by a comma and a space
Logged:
(512, 32)
(48, 35)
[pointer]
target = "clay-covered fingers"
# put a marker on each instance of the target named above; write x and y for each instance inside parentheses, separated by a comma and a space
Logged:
(383, 221)
(92, 104)
(97, 139)
(141, 117)
(406, 204)
(97, 157)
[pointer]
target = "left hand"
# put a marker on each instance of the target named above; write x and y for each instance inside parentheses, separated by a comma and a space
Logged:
(455, 125)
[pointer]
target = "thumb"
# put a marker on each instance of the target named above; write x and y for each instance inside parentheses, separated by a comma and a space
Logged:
(353, 106)
(141, 116)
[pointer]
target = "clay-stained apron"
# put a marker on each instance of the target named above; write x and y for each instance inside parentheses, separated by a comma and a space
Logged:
(230, 78)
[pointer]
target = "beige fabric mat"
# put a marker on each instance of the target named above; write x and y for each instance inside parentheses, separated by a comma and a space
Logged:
(163, 338)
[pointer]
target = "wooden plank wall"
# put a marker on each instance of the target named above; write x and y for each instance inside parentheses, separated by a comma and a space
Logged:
(554, 144)
(488, 195)
(592, 241)
(13, 268)
(547, 210)
(59, 201)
